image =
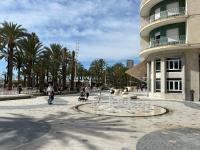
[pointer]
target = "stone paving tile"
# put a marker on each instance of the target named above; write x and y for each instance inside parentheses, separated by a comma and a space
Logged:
(68, 129)
(171, 139)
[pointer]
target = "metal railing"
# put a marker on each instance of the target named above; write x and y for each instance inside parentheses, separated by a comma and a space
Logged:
(164, 14)
(164, 41)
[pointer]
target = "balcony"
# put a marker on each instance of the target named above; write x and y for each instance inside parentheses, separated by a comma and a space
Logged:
(164, 44)
(143, 2)
(165, 41)
(164, 15)
(146, 5)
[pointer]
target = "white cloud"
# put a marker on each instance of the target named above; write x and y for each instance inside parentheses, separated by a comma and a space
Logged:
(105, 28)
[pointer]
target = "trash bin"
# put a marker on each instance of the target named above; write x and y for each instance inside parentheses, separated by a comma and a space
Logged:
(192, 95)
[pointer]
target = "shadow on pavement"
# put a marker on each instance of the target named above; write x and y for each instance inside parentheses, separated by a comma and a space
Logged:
(171, 139)
(64, 128)
(192, 105)
(20, 130)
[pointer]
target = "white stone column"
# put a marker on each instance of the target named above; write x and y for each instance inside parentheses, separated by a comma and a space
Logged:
(163, 77)
(192, 74)
(148, 77)
(152, 76)
(184, 78)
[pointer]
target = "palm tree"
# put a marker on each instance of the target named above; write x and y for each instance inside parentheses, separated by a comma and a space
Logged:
(116, 75)
(10, 34)
(18, 63)
(55, 51)
(32, 48)
(81, 71)
(40, 68)
(97, 70)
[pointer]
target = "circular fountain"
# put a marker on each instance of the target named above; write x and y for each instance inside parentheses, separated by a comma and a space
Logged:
(122, 106)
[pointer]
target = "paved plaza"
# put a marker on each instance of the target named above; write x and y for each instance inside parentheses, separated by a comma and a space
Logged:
(31, 124)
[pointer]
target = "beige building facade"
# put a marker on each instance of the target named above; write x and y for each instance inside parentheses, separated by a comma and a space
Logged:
(170, 42)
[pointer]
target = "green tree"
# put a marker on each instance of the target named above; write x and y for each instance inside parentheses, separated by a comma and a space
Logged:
(116, 75)
(55, 52)
(82, 73)
(32, 48)
(10, 34)
(18, 63)
(41, 68)
(97, 71)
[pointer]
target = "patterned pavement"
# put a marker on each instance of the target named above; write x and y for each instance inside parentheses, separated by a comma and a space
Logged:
(32, 124)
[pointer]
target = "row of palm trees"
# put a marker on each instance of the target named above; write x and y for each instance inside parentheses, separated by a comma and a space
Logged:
(34, 61)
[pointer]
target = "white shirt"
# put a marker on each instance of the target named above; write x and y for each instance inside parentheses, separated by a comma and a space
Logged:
(50, 89)
(87, 90)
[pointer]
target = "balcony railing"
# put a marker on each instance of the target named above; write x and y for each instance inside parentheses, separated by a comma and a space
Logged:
(164, 41)
(165, 14)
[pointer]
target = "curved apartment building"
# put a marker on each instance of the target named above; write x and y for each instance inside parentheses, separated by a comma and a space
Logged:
(170, 42)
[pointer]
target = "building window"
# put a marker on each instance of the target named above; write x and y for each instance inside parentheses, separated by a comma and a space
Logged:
(174, 64)
(173, 35)
(158, 65)
(174, 85)
(173, 9)
(158, 85)
(157, 39)
(157, 14)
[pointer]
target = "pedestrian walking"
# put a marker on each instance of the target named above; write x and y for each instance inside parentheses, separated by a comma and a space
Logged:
(19, 88)
(50, 92)
(87, 91)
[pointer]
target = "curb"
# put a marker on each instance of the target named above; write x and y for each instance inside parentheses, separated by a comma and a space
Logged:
(15, 97)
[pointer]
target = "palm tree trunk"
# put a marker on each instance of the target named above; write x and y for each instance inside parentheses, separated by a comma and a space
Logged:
(18, 76)
(10, 67)
(55, 80)
(91, 86)
(24, 81)
(72, 78)
(29, 75)
(37, 79)
(78, 84)
(47, 74)
(64, 76)
(29, 79)
(41, 82)
(5, 80)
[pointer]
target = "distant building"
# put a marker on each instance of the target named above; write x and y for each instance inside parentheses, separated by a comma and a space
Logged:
(129, 63)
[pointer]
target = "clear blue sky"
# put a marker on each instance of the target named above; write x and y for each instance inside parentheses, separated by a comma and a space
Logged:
(106, 29)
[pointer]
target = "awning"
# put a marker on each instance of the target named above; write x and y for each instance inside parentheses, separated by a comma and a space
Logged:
(139, 71)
